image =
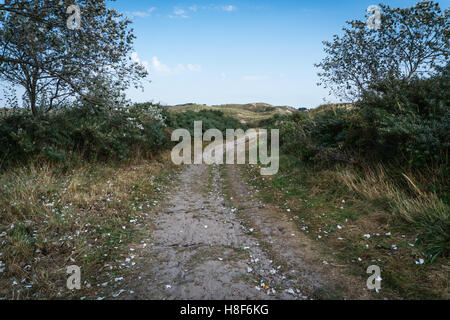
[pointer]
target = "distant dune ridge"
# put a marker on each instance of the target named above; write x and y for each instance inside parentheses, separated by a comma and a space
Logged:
(246, 113)
(252, 113)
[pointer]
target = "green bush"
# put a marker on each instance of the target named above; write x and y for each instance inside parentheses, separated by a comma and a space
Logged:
(410, 120)
(406, 123)
(80, 131)
(212, 119)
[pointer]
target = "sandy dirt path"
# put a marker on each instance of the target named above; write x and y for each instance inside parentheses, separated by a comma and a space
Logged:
(203, 247)
(201, 250)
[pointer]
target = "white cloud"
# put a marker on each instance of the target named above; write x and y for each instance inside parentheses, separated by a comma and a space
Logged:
(255, 78)
(179, 13)
(223, 75)
(179, 69)
(160, 67)
(163, 69)
(229, 8)
(194, 68)
(135, 58)
(142, 14)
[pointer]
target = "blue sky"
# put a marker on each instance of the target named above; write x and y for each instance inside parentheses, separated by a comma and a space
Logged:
(243, 51)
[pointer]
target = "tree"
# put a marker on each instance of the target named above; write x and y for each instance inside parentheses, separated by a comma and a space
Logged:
(55, 63)
(410, 42)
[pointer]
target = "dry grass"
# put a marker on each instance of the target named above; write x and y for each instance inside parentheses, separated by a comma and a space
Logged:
(333, 107)
(374, 185)
(377, 186)
(50, 220)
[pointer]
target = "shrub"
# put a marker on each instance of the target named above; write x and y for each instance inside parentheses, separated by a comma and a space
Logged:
(212, 119)
(408, 124)
(79, 131)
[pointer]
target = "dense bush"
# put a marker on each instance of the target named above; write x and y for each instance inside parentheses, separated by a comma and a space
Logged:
(80, 131)
(212, 119)
(410, 120)
(101, 134)
(407, 124)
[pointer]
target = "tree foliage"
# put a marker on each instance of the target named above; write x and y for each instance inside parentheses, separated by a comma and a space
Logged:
(410, 42)
(54, 63)
(81, 133)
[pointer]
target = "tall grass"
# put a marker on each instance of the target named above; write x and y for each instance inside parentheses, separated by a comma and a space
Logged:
(423, 211)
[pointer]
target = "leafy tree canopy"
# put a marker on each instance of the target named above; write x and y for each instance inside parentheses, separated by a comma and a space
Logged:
(55, 63)
(411, 42)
